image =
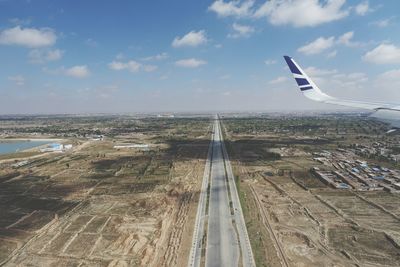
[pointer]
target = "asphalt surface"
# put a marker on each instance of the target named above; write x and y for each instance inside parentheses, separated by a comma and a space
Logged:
(198, 232)
(245, 246)
(222, 242)
(227, 238)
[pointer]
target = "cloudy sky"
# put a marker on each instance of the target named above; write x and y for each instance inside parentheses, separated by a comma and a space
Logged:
(179, 55)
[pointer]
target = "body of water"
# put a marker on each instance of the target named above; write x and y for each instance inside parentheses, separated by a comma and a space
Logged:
(15, 146)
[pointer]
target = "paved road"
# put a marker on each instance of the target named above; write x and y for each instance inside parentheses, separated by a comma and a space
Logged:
(227, 238)
(246, 252)
(222, 241)
(198, 232)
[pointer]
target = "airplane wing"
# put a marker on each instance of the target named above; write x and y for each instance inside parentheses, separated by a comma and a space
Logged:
(311, 91)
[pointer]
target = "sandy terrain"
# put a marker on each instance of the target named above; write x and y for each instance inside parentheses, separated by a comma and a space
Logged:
(100, 206)
(294, 219)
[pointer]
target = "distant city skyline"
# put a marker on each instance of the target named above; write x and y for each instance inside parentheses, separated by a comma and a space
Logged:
(193, 56)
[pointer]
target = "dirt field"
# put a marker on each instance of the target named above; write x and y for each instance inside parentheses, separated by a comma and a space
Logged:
(293, 218)
(101, 206)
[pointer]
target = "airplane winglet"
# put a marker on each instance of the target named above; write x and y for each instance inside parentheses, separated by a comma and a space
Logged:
(305, 84)
(291, 65)
(383, 111)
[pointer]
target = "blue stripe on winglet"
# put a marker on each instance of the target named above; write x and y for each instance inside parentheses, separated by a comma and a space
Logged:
(306, 88)
(291, 65)
(301, 81)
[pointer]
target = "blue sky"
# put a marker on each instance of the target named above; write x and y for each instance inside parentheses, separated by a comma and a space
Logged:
(154, 56)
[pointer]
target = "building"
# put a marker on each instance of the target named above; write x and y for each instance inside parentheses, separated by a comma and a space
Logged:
(56, 147)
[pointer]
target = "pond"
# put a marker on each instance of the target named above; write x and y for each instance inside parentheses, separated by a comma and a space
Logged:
(15, 146)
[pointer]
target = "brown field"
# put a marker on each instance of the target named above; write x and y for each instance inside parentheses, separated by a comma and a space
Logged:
(294, 219)
(101, 206)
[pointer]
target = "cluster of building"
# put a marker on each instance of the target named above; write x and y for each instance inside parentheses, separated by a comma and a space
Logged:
(377, 149)
(351, 173)
(56, 147)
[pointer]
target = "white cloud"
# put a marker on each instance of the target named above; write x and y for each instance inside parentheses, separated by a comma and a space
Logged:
(192, 38)
(319, 45)
(157, 57)
(390, 79)
(131, 65)
(313, 71)
(299, 13)
(354, 80)
(362, 8)
(383, 22)
(106, 91)
(332, 54)
(241, 31)
(190, 63)
(302, 13)
(278, 80)
(270, 62)
(149, 68)
(81, 71)
(117, 65)
(331, 79)
(53, 55)
(390, 75)
(359, 76)
(346, 39)
(28, 37)
(383, 54)
(232, 8)
(41, 56)
(102, 92)
(19, 80)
